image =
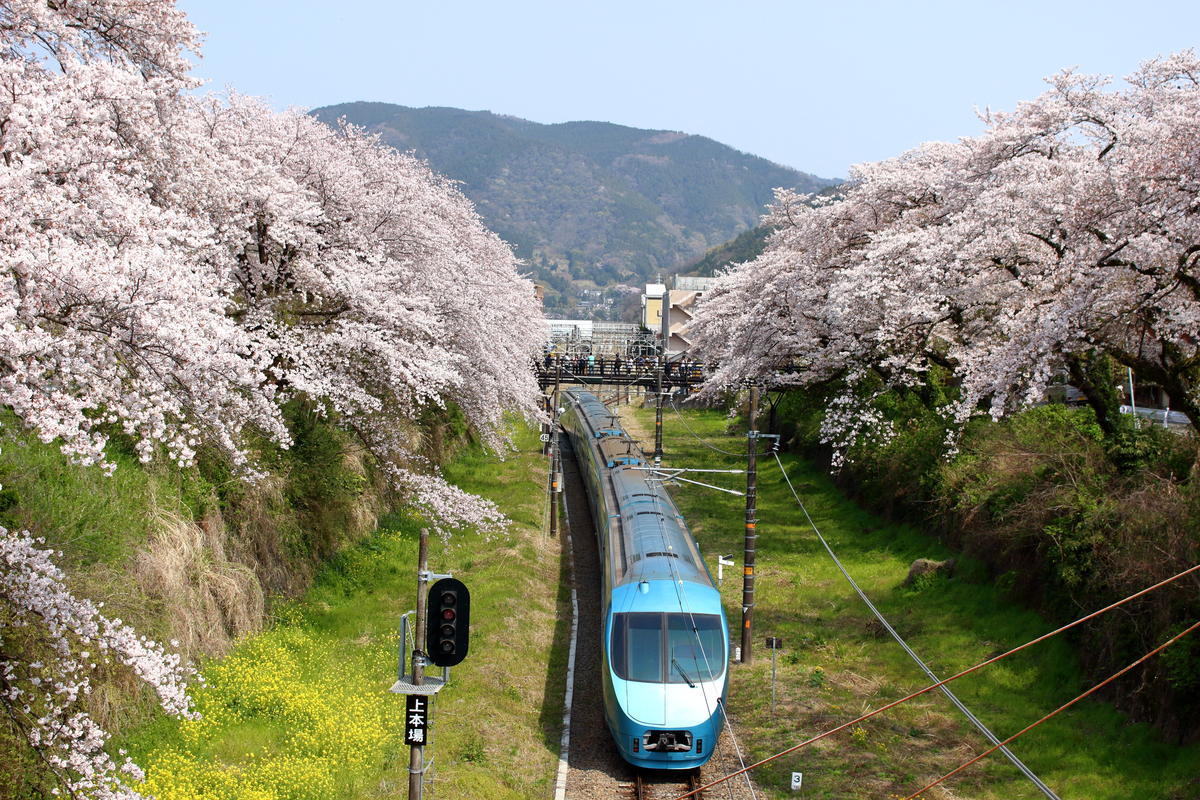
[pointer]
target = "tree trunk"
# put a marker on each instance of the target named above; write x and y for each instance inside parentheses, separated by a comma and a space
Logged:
(1093, 373)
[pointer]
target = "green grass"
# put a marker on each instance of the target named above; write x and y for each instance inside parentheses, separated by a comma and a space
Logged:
(837, 663)
(93, 518)
(302, 710)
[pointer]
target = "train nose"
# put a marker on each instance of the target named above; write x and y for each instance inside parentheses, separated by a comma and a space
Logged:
(667, 741)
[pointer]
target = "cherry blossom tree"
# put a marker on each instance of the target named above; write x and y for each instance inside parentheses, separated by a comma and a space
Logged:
(175, 268)
(367, 282)
(43, 684)
(1064, 236)
(107, 315)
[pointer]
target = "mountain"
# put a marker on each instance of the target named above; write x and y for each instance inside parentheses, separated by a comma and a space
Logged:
(590, 205)
(746, 247)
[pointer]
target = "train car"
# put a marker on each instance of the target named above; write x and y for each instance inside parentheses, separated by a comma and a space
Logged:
(664, 636)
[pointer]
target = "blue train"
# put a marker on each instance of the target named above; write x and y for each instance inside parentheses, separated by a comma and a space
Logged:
(664, 637)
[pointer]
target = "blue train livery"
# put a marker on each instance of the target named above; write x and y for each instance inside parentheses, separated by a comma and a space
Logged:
(665, 639)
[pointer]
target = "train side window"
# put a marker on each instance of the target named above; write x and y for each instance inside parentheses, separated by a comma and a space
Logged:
(645, 650)
(616, 648)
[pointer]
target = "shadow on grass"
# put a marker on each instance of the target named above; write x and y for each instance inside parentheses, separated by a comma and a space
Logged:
(554, 692)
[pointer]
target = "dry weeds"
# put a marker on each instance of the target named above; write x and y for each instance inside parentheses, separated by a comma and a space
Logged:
(208, 598)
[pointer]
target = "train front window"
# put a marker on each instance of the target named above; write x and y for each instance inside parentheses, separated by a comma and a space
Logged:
(644, 647)
(696, 652)
(667, 648)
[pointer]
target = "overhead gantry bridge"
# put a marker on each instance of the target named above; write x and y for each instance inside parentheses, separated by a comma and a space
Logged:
(616, 371)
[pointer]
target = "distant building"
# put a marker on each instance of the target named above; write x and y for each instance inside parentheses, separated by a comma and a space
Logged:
(681, 309)
(652, 301)
(579, 336)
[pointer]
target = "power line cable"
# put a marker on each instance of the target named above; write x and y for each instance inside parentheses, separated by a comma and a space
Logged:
(1018, 763)
(696, 436)
(1056, 711)
(939, 684)
(686, 607)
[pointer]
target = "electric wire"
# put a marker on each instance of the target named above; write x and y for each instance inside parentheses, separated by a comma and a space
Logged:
(1056, 711)
(963, 673)
(938, 684)
(1018, 763)
(685, 606)
(738, 750)
(697, 437)
(707, 666)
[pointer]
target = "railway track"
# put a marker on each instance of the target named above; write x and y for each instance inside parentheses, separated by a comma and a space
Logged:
(656, 786)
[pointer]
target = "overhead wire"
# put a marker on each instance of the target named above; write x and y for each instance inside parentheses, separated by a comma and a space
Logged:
(685, 606)
(953, 698)
(938, 683)
(708, 668)
(1056, 711)
(697, 437)
(956, 676)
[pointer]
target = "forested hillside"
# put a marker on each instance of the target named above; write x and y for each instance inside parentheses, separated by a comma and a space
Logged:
(587, 202)
(745, 247)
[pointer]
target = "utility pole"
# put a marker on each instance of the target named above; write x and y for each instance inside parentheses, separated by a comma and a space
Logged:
(555, 470)
(751, 539)
(658, 409)
(416, 758)
(557, 380)
(665, 336)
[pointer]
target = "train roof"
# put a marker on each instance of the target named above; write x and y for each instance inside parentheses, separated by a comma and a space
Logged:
(657, 543)
(599, 418)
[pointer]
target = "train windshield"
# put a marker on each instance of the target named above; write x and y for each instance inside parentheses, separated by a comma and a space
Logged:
(667, 648)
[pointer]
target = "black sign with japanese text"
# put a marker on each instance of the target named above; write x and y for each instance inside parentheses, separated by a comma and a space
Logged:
(416, 719)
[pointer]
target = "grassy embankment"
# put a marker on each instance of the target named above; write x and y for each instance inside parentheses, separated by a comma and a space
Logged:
(302, 710)
(838, 663)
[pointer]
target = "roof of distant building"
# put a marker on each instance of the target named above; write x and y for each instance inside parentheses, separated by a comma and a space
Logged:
(693, 283)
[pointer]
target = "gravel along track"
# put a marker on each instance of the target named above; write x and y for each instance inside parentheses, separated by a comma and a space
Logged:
(596, 772)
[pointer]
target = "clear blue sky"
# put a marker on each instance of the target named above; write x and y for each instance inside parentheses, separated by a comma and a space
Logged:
(814, 86)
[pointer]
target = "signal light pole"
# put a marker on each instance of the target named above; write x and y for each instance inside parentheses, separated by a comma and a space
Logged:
(416, 755)
(445, 632)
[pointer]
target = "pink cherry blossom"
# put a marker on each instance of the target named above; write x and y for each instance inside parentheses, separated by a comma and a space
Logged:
(1069, 228)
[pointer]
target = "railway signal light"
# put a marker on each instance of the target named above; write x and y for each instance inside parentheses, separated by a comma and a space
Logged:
(446, 634)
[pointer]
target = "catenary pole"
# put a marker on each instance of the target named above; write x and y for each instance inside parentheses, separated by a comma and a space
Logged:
(665, 337)
(751, 537)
